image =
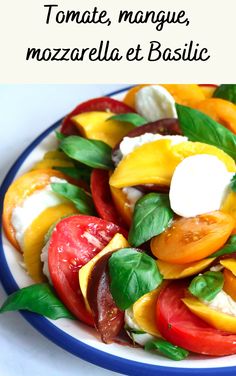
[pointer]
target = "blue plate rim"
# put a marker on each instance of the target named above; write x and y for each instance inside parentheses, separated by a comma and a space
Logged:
(64, 340)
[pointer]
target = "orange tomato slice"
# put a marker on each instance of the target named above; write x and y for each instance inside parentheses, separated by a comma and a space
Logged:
(129, 98)
(21, 188)
(185, 94)
(192, 239)
(222, 111)
(230, 283)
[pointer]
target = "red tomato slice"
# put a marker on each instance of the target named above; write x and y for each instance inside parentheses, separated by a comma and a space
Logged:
(97, 104)
(208, 85)
(74, 241)
(181, 327)
(102, 197)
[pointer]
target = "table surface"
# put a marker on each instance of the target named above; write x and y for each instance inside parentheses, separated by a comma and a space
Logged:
(26, 110)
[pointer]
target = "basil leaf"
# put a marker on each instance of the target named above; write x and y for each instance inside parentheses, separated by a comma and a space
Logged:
(60, 136)
(92, 153)
(200, 127)
(233, 183)
(38, 298)
(167, 349)
(82, 173)
(82, 200)
(229, 247)
(152, 215)
(132, 274)
(207, 285)
(226, 91)
(131, 118)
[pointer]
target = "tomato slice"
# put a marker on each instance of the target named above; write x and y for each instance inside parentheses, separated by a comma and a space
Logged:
(97, 104)
(102, 198)
(192, 239)
(181, 327)
(74, 241)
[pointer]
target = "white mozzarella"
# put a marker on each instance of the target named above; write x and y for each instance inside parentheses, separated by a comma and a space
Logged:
(199, 185)
(132, 195)
(129, 144)
(155, 103)
(222, 302)
(33, 206)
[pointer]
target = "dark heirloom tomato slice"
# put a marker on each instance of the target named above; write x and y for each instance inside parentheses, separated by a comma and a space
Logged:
(103, 202)
(74, 241)
(108, 318)
(97, 104)
(181, 327)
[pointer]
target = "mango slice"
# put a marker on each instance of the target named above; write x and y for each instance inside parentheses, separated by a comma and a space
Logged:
(185, 94)
(121, 204)
(175, 271)
(50, 163)
(213, 317)
(230, 284)
(34, 238)
(118, 241)
(144, 311)
(229, 264)
(229, 206)
(155, 162)
(56, 154)
(208, 91)
(96, 126)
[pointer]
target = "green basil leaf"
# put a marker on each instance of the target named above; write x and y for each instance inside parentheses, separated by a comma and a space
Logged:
(167, 349)
(92, 153)
(82, 200)
(207, 285)
(200, 127)
(82, 172)
(131, 118)
(132, 274)
(233, 183)
(226, 91)
(60, 136)
(152, 215)
(229, 247)
(38, 298)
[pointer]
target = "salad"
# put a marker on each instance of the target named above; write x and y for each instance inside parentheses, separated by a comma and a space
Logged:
(129, 226)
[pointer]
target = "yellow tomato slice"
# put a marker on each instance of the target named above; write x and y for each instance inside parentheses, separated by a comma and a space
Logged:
(213, 317)
(192, 239)
(144, 311)
(33, 241)
(176, 271)
(96, 126)
(230, 264)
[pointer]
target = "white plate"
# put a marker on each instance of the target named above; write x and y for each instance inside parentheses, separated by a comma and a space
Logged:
(76, 337)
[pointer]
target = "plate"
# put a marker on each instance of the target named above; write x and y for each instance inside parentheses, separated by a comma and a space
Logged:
(76, 337)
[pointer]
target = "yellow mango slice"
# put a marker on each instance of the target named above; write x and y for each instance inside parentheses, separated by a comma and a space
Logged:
(155, 162)
(121, 204)
(118, 241)
(229, 206)
(144, 311)
(50, 163)
(34, 238)
(229, 264)
(96, 126)
(56, 154)
(213, 317)
(175, 271)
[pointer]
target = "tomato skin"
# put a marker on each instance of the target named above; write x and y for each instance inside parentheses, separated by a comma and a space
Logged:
(192, 239)
(74, 241)
(103, 202)
(97, 104)
(181, 327)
